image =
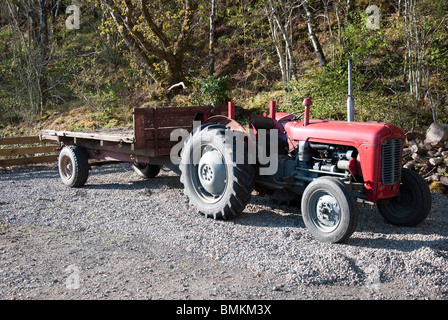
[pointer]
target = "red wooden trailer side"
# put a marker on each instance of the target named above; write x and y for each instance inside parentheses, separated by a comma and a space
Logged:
(148, 141)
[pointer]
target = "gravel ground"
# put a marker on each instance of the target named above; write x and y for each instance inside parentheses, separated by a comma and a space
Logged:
(123, 237)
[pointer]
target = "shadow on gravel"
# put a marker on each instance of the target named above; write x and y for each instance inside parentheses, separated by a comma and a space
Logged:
(376, 233)
(267, 218)
(134, 185)
(30, 174)
(170, 182)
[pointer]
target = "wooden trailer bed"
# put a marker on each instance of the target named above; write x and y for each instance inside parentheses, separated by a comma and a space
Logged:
(147, 141)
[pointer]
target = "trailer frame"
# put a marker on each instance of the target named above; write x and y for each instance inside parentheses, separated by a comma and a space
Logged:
(148, 141)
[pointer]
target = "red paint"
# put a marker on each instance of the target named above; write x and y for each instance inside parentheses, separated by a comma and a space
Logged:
(354, 166)
(342, 132)
(367, 138)
(226, 121)
(306, 118)
(231, 110)
(272, 110)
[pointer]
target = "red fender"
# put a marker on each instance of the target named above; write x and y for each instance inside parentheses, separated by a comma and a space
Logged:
(226, 121)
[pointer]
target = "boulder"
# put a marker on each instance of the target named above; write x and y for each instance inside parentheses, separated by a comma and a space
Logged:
(437, 134)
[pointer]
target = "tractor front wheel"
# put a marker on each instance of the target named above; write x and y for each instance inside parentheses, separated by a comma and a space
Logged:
(329, 210)
(412, 204)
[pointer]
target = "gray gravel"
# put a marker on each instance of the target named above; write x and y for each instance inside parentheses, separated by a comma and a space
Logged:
(123, 237)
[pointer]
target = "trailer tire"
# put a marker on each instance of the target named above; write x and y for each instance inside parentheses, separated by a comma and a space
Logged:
(329, 210)
(146, 170)
(214, 182)
(412, 204)
(73, 166)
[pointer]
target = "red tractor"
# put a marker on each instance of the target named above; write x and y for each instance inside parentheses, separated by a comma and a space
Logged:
(330, 165)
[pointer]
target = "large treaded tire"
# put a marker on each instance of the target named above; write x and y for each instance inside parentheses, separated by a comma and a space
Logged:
(329, 210)
(233, 192)
(412, 204)
(73, 166)
(146, 170)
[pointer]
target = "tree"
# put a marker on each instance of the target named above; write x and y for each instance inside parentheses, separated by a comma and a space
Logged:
(425, 43)
(212, 38)
(156, 32)
(32, 24)
(281, 16)
(314, 40)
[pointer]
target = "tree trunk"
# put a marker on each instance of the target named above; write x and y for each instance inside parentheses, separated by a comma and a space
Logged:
(279, 48)
(212, 39)
(175, 73)
(168, 49)
(316, 44)
(284, 47)
(35, 44)
(43, 45)
(348, 13)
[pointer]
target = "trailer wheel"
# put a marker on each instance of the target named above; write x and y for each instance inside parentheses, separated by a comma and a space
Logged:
(412, 204)
(73, 166)
(215, 183)
(329, 210)
(146, 170)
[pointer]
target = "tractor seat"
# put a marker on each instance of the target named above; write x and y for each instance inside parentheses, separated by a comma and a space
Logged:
(267, 124)
(262, 123)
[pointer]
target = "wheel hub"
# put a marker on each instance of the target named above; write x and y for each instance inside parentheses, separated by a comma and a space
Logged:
(212, 172)
(66, 167)
(328, 211)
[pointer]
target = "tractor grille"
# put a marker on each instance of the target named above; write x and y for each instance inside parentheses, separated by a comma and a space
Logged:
(391, 162)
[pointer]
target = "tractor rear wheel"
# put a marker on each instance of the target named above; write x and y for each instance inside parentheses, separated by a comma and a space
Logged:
(215, 183)
(329, 210)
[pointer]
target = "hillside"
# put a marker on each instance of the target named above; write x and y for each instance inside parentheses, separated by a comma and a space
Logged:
(91, 77)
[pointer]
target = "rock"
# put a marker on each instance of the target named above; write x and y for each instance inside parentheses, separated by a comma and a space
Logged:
(444, 180)
(437, 134)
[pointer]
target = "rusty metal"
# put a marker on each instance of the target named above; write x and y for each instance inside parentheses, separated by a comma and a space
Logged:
(149, 140)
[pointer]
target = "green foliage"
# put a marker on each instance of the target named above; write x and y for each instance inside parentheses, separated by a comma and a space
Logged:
(213, 90)
(377, 79)
(328, 88)
(325, 88)
(93, 67)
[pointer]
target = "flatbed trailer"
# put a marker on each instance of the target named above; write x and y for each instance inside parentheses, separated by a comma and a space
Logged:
(146, 142)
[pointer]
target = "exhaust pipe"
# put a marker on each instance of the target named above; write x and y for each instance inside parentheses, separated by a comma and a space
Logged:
(306, 118)
(350, 101)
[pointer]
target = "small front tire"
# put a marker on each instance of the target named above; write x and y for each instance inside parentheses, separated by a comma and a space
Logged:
(412, 204)
(329, 210)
